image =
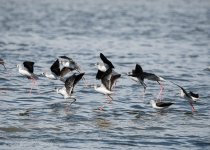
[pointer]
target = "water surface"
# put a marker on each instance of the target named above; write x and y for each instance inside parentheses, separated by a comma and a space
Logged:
(166, 37)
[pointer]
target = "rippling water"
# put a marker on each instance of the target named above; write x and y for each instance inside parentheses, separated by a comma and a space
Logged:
(169, 38)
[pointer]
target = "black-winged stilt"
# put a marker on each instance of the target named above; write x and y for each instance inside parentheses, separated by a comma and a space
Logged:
(56, 72)
(68, 88)
(139, 75)
(160, 105)
(190, 97)
(27, 69)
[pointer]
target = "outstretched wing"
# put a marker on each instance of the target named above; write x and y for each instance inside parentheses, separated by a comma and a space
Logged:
(72, 81)
(55, 68)
(77, 78)
(29, 65)
(194, 95)
(106, 61)
(69, 84)
(99, 74)
(138, 69)
(113, 80)
(64, 57)
(64, 71)
(106, 78)
(137, 72)
(185, 92)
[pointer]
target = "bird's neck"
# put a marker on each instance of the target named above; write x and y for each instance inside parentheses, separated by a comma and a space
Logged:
(95, 86)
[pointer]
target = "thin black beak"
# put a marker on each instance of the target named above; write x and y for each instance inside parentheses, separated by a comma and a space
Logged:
(4, 67)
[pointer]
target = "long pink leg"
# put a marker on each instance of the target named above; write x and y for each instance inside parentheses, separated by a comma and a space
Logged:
(159, 97)
(193, 109)
(110, 100)
(36, 83)
(102, 107)
(85, 82)
(162, 91)
(34, 80)
(33, 83)
(144, 93)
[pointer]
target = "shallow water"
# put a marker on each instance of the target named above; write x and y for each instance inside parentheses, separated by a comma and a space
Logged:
(166, 37)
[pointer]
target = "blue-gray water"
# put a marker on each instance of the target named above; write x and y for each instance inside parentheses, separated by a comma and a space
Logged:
(169, 38)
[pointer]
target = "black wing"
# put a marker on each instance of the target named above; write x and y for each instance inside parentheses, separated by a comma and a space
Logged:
(64, 71)
(185, 92)
(194, 95)
(138, 69)
(137, 72)
(55, 68)
(106, 61)
(106, 78)
(162, 104)
(99, 74)
(69, 83)
(114, 79)
(64, 57)
(149, 76)
(78, 77)
(29, 65)
(72, 81)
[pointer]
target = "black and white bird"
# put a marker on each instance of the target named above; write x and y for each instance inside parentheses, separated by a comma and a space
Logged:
(2, 63)
(139, 75)
(160, 105)
(108, 80)
(68, 88)
(103, 66)
(56, 72)
(69, 63)
(27, 69)
(189, 96)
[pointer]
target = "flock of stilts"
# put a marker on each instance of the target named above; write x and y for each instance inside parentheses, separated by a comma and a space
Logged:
(64, 65)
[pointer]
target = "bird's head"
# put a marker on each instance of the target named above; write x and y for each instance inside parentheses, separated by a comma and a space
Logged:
(97, 64)
(57, 90)
(129, 73)
(95, 86)
(152, 102)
